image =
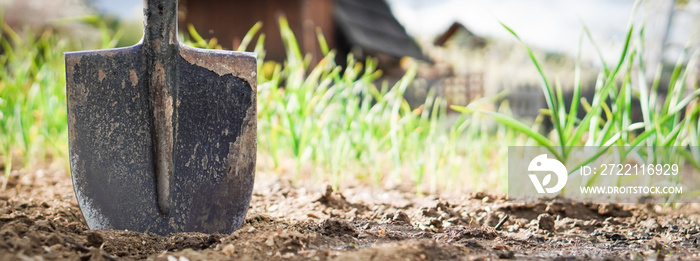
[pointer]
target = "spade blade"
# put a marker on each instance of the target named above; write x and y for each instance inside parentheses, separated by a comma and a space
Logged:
(162, 137)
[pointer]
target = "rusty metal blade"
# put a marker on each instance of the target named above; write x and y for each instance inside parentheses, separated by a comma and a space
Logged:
(110, 126)
(162, 137)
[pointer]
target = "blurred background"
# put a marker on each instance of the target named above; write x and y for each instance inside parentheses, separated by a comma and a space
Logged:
(467, 54)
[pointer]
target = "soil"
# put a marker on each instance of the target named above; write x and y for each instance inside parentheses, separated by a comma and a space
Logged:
(40, 220)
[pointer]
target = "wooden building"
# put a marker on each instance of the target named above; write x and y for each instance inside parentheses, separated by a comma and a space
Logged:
(346, 24)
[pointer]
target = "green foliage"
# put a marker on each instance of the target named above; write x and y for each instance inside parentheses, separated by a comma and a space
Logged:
(32, 98)
(33, 124)
(608, 118)
(335, 124)
(337, 121)
(341, 124)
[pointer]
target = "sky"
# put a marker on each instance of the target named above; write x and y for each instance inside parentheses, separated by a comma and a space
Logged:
(122, 8)
(552, 25)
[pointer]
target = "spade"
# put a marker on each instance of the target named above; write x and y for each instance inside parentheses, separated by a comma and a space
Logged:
(162, 136)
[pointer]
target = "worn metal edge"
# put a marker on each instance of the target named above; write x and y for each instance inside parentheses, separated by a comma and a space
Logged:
(226, 62)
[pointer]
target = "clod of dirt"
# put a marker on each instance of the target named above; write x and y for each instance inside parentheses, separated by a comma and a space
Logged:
(651, 225)
(337, 227)
(94, 239)
(545, 222)
(259, 219)
(472, 243)
(446, 207)
(43, 225)
(655, 245)
(478, 195)
(464, 234)
(606, 209)
(53, 240)
(615, 237)
(485, 197)
(492, 219)
(228, 249)
(331, 200)
(336, 200)
(506, 254)
(613, 210)
(555, 208)
(400, 216)
(429, 212)
(436, 223)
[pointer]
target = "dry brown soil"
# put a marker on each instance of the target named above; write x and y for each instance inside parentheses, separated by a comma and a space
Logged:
(40, 220)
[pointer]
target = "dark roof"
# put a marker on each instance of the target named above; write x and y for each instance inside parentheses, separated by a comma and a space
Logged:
(455, 28)
(371, 25)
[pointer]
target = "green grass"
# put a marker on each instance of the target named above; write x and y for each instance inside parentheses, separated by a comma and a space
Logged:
(33, 128)
(32, 99)
(341, 124)
(662, 122)
(334, 124)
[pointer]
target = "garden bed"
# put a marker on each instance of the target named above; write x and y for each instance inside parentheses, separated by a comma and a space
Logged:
(40, 219)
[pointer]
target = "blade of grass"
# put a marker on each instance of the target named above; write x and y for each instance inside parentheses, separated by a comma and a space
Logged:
(547, 90)
(249, 37)
(514, 124)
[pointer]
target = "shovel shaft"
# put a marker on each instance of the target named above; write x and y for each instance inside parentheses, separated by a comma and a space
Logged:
(161, 49)
(160, 23)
